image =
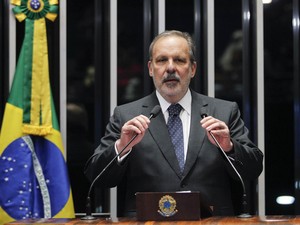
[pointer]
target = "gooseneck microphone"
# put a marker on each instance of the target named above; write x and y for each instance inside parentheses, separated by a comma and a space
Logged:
(245, 213)
(154, 112)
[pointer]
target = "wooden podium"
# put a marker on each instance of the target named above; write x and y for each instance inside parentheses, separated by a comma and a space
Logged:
(170, 206)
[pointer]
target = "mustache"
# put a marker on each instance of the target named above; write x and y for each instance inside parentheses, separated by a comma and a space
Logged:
(171, 76)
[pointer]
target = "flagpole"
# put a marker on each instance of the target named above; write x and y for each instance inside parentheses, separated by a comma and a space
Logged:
(12, 46)
(63, 71)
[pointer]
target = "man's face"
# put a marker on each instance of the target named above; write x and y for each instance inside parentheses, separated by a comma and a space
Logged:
(171, 67)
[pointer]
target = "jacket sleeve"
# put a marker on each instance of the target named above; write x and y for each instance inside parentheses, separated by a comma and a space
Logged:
(248, 158)
(103, 162)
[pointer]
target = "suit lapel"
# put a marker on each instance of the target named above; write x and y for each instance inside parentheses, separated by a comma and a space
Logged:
(159, 132)
(197, 133)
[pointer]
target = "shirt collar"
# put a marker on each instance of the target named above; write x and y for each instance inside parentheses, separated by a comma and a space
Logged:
(185, 102)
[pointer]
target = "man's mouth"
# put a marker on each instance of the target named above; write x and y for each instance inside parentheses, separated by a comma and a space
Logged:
(171, 78)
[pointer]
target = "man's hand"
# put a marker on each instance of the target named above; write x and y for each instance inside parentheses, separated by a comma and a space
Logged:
(220, 131)
(138, 125)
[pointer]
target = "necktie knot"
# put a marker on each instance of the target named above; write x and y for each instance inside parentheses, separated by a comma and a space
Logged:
(174, 109)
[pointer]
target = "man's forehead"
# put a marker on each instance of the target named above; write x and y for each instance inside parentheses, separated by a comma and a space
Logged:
(166, 54)
(171, 45)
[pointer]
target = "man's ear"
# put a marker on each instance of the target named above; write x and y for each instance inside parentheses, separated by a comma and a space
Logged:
(150, 68)
(194, 68)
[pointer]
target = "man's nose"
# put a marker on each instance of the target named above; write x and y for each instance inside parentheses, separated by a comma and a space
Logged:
(171, 66)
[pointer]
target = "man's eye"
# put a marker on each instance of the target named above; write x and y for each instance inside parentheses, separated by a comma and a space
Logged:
(180, 60)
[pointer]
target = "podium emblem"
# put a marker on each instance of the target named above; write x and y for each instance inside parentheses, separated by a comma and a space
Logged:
(167, 206)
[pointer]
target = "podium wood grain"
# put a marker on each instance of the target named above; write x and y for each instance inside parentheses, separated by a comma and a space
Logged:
(278, 220)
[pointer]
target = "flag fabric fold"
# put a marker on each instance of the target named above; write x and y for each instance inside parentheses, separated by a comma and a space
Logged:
(34, 181)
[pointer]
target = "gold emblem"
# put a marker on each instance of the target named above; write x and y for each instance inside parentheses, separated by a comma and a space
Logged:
(167, 206)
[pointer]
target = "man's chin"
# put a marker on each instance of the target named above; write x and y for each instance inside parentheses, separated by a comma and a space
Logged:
(171, 84)
(171, 92)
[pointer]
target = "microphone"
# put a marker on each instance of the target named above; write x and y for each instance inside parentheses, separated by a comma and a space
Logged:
(154, 112)
(245, 213)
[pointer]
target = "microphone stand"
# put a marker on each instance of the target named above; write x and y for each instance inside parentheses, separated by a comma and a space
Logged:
(88, 199)
(155, 111)
(245, 213)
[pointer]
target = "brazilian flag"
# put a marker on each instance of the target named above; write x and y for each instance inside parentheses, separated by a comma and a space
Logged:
(34, 181)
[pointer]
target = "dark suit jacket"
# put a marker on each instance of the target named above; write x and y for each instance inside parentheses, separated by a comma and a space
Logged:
(152, 164)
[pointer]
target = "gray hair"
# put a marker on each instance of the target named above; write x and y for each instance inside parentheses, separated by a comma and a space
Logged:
(185, 35)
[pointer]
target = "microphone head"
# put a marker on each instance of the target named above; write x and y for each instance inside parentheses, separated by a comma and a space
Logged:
(155, 111)
(203, 112)
(203, 115)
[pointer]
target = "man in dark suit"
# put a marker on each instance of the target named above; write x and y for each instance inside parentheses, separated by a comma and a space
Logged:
(149, 163)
